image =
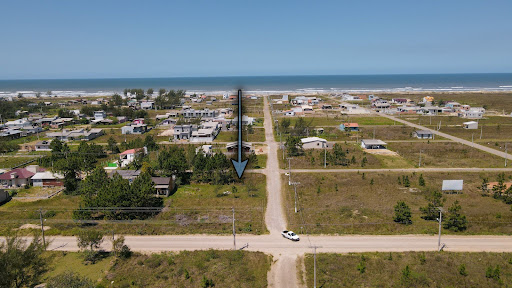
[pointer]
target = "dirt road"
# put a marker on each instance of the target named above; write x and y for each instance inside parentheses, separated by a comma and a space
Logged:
(448, 136)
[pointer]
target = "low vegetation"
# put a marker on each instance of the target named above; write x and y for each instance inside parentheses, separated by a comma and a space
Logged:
(411, 269)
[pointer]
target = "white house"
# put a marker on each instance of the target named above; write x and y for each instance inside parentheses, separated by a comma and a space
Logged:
(470, 125)
(100, 115)
(314, 143)
(128, 156)
(147, 105)
(373, 144)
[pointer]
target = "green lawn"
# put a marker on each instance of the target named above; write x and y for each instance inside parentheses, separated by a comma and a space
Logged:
(9, 161)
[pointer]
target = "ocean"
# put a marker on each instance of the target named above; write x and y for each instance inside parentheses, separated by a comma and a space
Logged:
(267, 84)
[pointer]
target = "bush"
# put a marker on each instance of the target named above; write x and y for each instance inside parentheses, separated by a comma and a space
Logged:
(69, 279)
(402, 213)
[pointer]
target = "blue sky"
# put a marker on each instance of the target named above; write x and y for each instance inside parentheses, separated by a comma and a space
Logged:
(97, 39)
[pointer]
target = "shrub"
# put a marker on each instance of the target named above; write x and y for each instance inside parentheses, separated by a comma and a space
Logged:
(462, 270)
(402, 213)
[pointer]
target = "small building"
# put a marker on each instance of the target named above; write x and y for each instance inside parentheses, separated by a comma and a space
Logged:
(326, 106)
(423, 134)
(129, 175)
(470, 125)
(47, 179)
(314, 143)
(183, 132)
(205, 149)
(100, 115)
(128, 156)
(138, 121)
(373, 144)
(147, 105)
(233, 147)
(43, 145)
(16, 178)
(350, 127)
(163, 185)
(452, 185)
(134, 129)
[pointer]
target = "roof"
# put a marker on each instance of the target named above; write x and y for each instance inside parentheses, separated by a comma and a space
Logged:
(451, 185)
(470, 122)
(422, 132)
(350, 124)
(126, 173)
(21, 172)
(131, 151)
(161, 181)
(312, 139)
(373, 142)
(47, 175)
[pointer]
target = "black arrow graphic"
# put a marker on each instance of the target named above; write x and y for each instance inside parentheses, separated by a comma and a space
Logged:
(239, 164)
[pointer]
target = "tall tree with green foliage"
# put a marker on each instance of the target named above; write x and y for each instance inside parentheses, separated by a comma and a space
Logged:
(402, 213)
(435, 200)
(22, 265)
(293, 146)
(455, 220)
(172, 161)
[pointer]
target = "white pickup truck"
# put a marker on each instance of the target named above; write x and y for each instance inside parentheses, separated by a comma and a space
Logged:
(290, 235)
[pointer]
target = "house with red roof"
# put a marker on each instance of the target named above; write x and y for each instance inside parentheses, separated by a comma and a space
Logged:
(128, 156)
(16, 178)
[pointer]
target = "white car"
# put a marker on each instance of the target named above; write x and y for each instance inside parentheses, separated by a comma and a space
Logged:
(290, 235)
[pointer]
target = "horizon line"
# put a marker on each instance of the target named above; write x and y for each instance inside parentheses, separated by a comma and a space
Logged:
(242, 76)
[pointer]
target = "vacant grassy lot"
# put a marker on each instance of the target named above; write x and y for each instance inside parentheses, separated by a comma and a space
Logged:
(231, 136)
(184, 269)
(493, 101)
(346, 203)
(194, 208)
(321, 120)
(445, 154)
(9, 161)
(314, 158)
(448, 121)
(427, 269)
(489, 133)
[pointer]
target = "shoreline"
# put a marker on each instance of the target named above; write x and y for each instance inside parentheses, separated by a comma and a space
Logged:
(78, 93)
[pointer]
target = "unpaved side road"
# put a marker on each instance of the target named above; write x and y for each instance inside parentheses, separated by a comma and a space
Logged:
(283, 272)
(448, 136)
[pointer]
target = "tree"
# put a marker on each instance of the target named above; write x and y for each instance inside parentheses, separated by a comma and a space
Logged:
(173, 161)
(402, 213)
(49, 93)
(69, 279)
(421, 181)
(293, 146)
(150, 91)
(161, 91)
(119, 248)
(435, 200)
(112, 145)
(22, 265)
(117, 100)
(285, 124)
(91, 239)
(455, 220)
(150, 143)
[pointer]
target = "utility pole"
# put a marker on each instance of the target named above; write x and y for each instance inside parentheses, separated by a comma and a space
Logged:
(42, 226)
(314, 265)
(440, 219)
(481, 130)
(296, 197)
(234, 231)
(419, 163)
(325, 156)
(472, 138)
(506, 155)
(289, 170)
(373, 132)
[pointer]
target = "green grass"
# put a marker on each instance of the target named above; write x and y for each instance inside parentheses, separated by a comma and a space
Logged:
(8, 162)
(184, 269)
(358, 207)
(192, 209)
(69, 261)
(428, 269)
(230, 136)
